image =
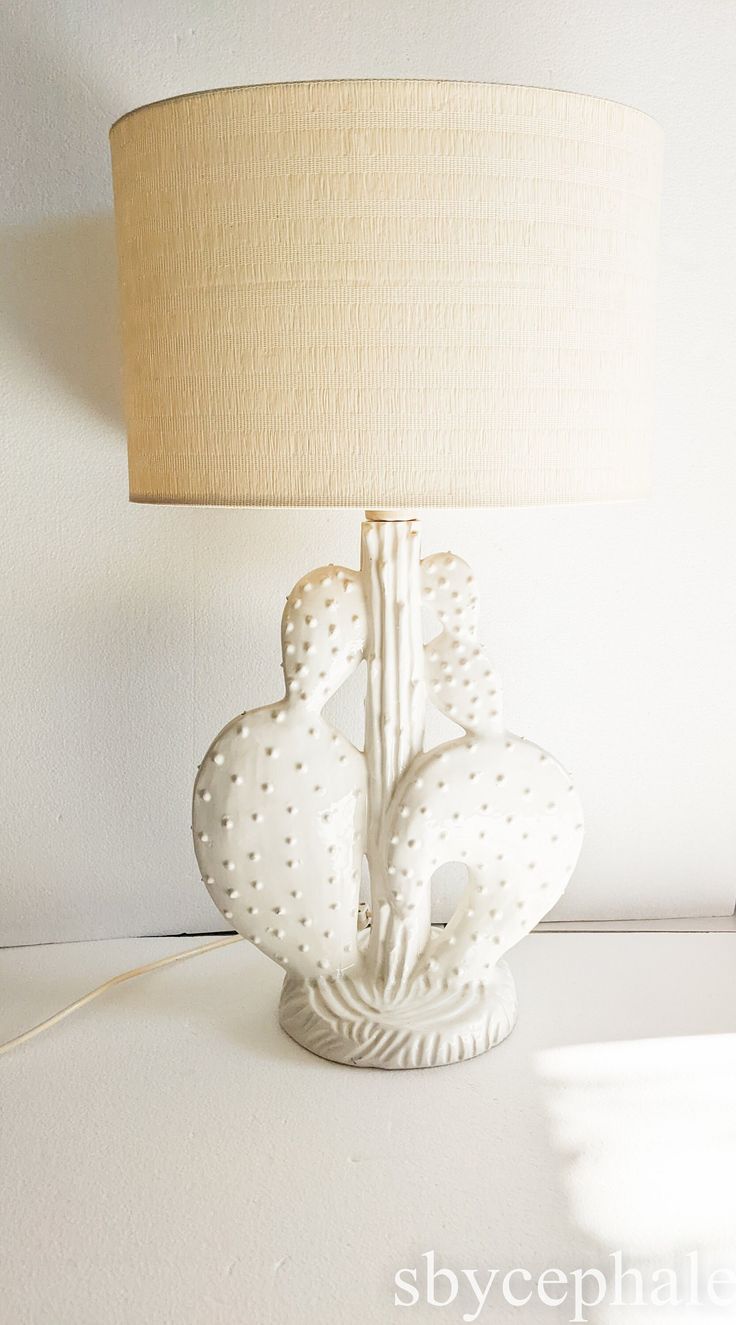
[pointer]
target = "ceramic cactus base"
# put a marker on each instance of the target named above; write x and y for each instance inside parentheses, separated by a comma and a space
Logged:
(286, 810)
(349, 1019)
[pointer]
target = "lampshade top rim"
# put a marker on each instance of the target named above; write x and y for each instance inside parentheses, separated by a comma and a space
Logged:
(378, 82)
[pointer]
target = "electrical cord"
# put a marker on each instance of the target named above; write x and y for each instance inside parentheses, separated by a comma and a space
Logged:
(108, 984)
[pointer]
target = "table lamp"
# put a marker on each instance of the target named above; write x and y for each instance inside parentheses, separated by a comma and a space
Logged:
(386, 294)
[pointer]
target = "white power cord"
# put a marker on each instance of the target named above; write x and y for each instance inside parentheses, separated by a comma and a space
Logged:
(115, 980)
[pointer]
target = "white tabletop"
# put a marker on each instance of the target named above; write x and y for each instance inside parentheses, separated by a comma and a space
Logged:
(169, 1156)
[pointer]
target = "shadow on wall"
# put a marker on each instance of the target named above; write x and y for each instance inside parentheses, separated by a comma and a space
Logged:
(60, 304)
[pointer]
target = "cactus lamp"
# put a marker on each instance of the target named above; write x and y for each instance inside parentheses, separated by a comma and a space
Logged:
(387, 294)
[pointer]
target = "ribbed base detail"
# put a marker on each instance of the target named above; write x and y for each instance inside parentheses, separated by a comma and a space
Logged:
(348, 1021)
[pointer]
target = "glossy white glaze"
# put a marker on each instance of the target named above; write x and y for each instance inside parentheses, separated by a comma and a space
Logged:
(279, 812)
(285, 808)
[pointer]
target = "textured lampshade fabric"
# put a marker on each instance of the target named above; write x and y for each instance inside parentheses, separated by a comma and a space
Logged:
(388, 294)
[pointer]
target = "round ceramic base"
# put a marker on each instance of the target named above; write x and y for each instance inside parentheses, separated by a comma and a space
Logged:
(432, 1025)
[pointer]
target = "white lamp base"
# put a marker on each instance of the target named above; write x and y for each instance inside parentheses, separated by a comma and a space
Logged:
(350, 1020)
(286, 808)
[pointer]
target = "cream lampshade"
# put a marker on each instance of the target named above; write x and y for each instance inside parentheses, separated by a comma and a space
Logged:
(386, 294)
(390, 294)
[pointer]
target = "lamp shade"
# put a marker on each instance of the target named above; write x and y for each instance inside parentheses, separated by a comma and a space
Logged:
(386, 293)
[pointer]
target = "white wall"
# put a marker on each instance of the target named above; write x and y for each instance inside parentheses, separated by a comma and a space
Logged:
(132, 634)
